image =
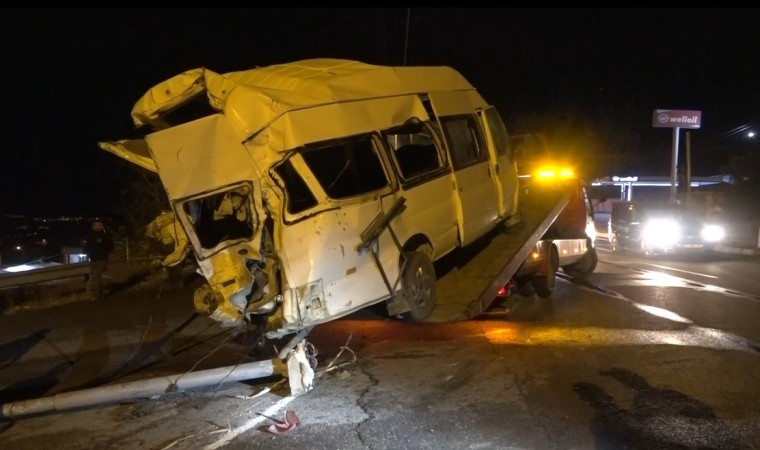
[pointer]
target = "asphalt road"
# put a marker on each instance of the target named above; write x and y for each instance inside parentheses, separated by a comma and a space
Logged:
(640, 357)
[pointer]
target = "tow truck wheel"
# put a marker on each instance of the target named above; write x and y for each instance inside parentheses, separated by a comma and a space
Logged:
(585, 267)
(418, 284)
(544, 284)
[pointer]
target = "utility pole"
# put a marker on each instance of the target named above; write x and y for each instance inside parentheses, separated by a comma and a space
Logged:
(406, 35)
(688, 168)
(676, 119)
(674, 165)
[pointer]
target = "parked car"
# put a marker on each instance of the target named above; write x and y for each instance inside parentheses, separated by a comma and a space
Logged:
(657, 227)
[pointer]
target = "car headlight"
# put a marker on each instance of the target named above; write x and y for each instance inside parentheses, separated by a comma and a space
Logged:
(661, 233)
(713, 233)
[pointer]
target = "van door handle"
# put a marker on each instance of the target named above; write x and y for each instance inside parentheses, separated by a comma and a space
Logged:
(497, 168)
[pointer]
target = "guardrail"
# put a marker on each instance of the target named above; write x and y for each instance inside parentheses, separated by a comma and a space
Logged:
(44, 274)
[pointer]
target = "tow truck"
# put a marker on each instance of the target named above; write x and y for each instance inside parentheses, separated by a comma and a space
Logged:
(309, 190)
(570, 242)
(557, 231)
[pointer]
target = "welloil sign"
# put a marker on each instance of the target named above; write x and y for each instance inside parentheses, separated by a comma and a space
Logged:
(676, 118)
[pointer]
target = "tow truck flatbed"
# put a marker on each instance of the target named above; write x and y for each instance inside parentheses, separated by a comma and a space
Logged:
(470, 279)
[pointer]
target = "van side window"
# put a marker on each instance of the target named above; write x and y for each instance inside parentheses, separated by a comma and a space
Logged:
(413, 147)
(499, 133)
(298, 195)
(465, 139)
(346, 168)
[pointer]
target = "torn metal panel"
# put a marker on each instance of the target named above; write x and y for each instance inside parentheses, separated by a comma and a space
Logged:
(450, 102)
(322, 248)
(199, 156)
(175, 92)
(135, 151)
(166, 230)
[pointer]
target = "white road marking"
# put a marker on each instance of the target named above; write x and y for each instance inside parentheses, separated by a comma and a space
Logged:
(661, 312)
(684, 271)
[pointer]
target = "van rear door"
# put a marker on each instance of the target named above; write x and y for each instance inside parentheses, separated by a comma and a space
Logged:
(502, 162)
(475, 190)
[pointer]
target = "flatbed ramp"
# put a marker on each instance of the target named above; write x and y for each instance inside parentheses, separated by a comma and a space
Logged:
(469, 279)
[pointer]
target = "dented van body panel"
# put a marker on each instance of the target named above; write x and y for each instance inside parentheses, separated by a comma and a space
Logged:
(277, 189)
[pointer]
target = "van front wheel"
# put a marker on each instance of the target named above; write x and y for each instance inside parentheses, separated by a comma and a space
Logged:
(418, 285)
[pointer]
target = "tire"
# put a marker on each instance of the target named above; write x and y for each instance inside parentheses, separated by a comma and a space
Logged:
(544, 284)
(614, 243)
(525, 287)
(418, 285)
(585, 267)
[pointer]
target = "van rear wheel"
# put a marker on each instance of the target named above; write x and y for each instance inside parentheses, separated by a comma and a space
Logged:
(418, 285)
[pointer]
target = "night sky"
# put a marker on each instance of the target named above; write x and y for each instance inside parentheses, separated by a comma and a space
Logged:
(588, 78)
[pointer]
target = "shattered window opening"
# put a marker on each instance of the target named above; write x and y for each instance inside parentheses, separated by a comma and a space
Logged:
(222, 216)
(347, 168)
(414, 150)
(298, 195)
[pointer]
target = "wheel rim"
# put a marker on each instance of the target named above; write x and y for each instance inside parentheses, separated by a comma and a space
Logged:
(420, 287)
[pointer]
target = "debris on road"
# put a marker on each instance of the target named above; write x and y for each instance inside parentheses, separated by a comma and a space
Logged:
(290, 422)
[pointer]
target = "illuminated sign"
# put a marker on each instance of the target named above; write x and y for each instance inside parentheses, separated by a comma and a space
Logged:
(676, 118)
(617, 178)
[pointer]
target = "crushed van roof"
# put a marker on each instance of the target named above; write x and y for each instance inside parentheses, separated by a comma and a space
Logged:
(259, 95)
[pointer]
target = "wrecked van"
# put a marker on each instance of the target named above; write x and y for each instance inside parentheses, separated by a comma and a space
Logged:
(312, 189)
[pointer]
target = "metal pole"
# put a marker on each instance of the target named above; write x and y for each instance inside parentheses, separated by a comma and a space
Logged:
(688, 167)
(674, 165)
(144, 388)
(406, 35)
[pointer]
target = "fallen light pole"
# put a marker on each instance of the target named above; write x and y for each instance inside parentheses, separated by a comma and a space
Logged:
(299, 375)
